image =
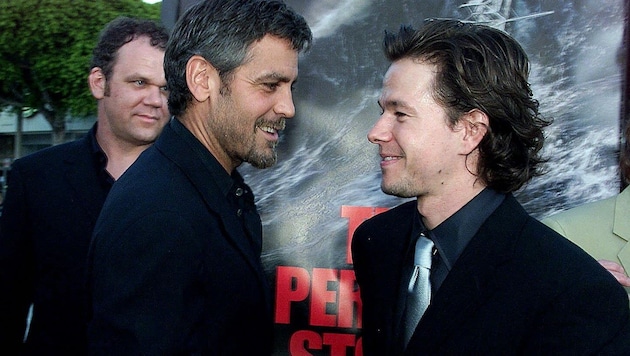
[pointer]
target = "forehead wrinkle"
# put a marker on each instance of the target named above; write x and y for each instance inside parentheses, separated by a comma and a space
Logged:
(394, 103)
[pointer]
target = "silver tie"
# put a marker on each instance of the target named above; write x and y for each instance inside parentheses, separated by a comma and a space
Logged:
(419, 290)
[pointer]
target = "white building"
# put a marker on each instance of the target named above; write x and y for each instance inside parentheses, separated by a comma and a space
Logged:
(36, 133)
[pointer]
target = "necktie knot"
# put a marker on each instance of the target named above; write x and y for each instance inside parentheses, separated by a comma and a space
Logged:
(424, 252)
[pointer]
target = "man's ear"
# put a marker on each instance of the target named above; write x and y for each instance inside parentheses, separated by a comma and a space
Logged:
(202, 78)
(97, 83)
(475, 124)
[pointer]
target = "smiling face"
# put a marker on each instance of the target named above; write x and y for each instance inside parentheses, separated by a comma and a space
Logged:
(420, 153)
(133, 100)
(253, 106)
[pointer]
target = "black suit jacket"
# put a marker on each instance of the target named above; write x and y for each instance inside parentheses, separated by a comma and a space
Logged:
(172, 271)
(517, 288)
(52, 203)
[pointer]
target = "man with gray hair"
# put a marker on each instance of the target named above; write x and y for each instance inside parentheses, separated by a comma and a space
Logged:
(175, 261)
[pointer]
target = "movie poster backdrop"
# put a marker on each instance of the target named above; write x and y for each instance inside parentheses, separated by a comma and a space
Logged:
(327, 180)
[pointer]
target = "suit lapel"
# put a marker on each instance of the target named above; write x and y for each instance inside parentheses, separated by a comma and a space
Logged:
(621, 225)
(471, 280)
(80, 160)
(407, 269)
(389, 246)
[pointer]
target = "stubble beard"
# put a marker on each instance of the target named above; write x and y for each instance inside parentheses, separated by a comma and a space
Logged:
(266, 156)
(400, 188)
(256, 157)
(260, 159)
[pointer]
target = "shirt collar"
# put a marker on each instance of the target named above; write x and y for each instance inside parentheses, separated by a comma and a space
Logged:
(225, 181)
(95, 148)
(99, 156)
(453, 235)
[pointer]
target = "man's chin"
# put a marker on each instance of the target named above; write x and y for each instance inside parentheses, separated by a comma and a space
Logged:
(396, 191)
(145, 140)
(262, 162)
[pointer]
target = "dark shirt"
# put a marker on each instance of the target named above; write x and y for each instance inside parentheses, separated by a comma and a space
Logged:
(453, 235)
(100, 160)
(237, 193)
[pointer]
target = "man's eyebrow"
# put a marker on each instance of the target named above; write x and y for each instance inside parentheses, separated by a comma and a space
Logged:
(138, 76)
(276, 77)
(393, 103)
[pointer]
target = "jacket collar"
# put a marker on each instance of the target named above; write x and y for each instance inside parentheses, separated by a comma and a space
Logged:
(472, 278)
(174, 147)
(81, 163)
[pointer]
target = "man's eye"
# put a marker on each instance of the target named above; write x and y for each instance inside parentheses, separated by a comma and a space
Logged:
(139, 82)
(272, 86)
(164, 88)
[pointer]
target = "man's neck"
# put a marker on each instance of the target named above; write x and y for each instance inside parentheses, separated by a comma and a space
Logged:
(117, 164)
(437, 208)
(193, 120)
(120, 155)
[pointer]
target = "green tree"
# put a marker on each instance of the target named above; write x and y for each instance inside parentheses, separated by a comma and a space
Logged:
(45, 49)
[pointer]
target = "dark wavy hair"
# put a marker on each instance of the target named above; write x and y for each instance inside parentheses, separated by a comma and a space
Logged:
(480, 67)
(119, 32)
(221, 31)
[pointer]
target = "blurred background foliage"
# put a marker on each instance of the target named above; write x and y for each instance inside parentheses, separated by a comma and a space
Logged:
(45, 50)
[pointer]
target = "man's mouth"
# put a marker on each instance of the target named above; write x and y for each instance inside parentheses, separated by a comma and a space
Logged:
(268, 129)
(389, 159)
(271, 128)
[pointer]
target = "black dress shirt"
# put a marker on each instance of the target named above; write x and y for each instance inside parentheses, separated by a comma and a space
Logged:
(453, 235)
(233, 187)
